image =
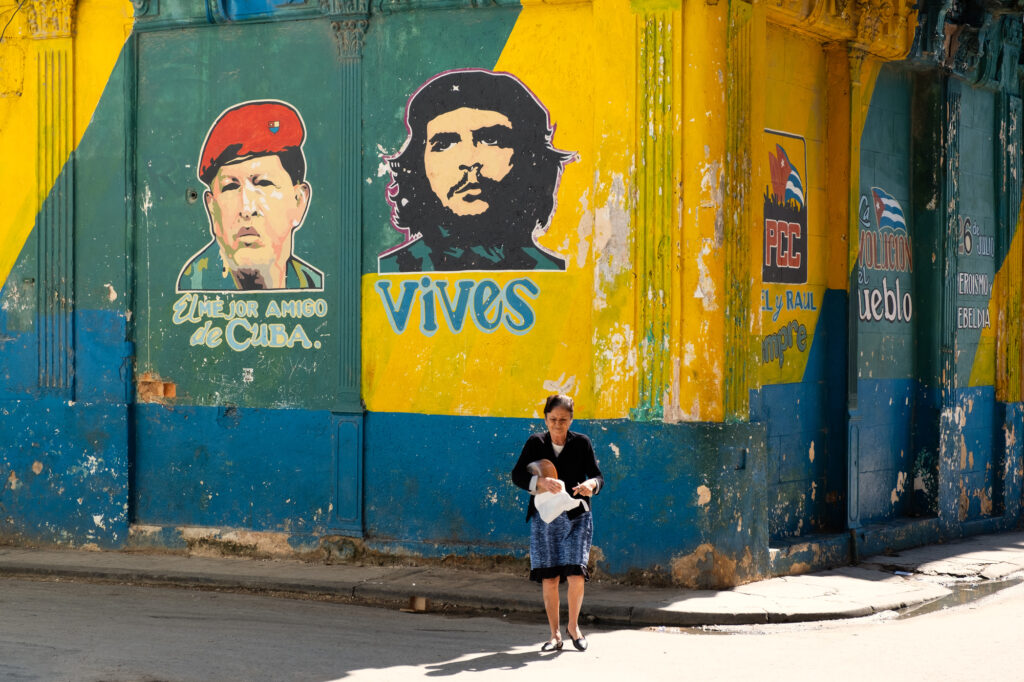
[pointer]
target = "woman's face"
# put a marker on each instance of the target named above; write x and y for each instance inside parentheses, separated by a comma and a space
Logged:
(558, 421)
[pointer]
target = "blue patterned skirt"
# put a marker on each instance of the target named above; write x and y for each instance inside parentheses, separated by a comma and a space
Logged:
(560, 548)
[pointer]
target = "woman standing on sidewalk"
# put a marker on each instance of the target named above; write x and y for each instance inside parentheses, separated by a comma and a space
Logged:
(560, 549)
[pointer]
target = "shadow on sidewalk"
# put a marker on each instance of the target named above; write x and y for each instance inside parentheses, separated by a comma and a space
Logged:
(498, 661)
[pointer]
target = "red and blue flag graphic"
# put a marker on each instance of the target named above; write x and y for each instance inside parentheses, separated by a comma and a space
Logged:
(786, 182)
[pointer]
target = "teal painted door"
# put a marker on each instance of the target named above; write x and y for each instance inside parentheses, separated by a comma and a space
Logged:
(976, 454)
(247, 278)
(883, 297)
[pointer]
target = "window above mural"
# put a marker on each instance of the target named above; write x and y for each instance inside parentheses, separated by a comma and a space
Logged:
(158, 14)
(237, 10)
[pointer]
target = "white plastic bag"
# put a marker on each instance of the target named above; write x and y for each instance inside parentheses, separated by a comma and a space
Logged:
(550, 505)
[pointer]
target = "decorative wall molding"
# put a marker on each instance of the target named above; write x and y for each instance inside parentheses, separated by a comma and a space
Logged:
(987, 55)
(350, 149)
(882, 28)
(335, 7)
(55, 181)
(978, 41)
(50, 18)
(145, 8)
(350, 35)
(739, 175)
(654, 211)
(874, 19)
(392, 6)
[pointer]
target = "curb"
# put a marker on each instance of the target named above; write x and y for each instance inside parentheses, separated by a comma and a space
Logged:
(841, 593)
(383, 593)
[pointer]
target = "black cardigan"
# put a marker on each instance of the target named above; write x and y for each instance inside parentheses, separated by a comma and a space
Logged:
(575, 465)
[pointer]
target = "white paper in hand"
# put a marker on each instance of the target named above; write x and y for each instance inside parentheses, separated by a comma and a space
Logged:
(550, 505)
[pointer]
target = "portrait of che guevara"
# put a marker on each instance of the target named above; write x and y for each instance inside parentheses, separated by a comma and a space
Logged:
(254, 169)
(475, 183)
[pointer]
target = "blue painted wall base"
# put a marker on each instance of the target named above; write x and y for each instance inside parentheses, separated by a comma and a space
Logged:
(64, 473)
(682, 501)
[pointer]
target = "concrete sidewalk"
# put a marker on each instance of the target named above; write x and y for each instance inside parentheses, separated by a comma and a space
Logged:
(878, 584)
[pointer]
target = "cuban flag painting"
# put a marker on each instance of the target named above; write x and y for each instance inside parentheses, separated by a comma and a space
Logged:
(786, 181)
(785, 210)
(888, 211)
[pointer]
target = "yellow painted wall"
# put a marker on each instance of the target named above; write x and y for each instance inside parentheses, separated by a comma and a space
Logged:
(997, 360)
(101, 28)
(795, 93)
(701, 295)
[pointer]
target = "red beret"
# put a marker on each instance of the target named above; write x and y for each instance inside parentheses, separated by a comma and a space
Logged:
(250, 129)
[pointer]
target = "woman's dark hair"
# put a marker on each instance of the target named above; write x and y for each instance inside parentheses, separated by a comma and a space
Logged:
(557, 400)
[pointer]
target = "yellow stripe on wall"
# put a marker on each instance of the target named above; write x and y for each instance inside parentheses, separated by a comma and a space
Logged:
(100, 29)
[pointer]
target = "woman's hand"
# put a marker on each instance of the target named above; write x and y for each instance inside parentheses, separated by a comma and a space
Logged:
(586, 488)
(550, 485)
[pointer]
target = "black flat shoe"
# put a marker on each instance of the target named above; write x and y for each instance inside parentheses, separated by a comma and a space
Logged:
(552, 645)
(580, 644)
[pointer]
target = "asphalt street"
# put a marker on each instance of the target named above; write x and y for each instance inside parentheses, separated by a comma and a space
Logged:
(84, 632)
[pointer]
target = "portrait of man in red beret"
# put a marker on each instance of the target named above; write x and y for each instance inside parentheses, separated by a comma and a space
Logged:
(257, 196)
(476, 181)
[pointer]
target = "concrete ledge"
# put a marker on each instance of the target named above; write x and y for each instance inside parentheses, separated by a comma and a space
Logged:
(895, 536)
(794, 556)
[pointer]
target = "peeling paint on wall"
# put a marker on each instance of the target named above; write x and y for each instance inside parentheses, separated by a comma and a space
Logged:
(619, 354)
(584, 232)
(217, 542)
(705, 290)
(901, 482)
(985, 500)
(707, 568)
(963, 502)
(712, 182)
(611, 239)
(671, 413)
(563, 384)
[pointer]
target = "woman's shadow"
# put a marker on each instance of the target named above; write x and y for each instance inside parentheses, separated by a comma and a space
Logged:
(499, 661)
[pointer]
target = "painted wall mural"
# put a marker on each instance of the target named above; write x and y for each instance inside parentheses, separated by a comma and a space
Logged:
(476, 181)
(885, 250)
(242, 324)
(785, 212)
(976, 251)
(479, 259)
(257, 196)
(472, 188)
(785, 258)
(488, 304)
